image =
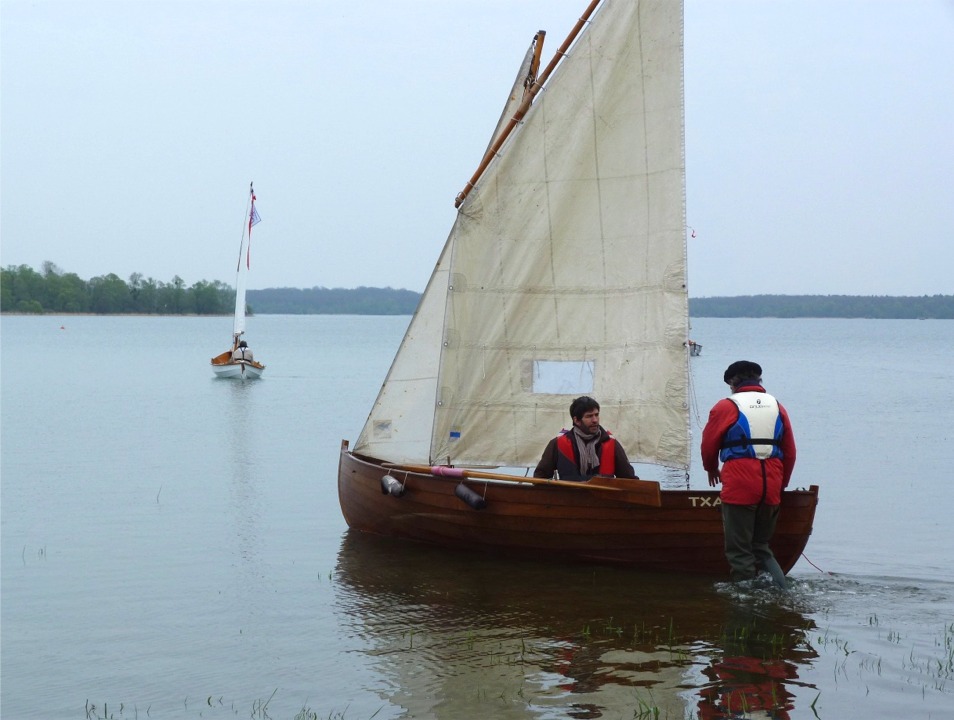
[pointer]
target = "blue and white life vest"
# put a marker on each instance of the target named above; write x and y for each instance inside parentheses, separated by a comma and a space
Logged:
(757, 432)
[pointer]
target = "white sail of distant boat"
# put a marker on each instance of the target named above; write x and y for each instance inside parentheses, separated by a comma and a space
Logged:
(239, 361)
(563, 275)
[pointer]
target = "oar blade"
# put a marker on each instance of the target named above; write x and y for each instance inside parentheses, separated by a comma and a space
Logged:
(636, 492)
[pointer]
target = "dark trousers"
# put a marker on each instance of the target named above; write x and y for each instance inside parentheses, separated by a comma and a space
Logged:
(748, 529)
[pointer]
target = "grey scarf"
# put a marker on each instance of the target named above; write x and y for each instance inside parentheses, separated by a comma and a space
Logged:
(586, 445)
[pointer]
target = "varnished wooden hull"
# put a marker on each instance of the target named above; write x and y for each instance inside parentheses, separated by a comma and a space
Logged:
(683, 535)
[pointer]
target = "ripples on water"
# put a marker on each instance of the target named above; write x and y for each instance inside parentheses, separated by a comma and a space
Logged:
(472, 634)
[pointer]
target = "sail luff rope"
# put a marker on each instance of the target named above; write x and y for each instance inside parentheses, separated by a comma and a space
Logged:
(248, 205)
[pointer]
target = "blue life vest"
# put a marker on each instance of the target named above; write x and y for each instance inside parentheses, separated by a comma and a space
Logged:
(757, 431)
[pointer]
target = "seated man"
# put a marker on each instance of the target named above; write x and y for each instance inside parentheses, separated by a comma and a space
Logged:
(585, 450)
(242, 352)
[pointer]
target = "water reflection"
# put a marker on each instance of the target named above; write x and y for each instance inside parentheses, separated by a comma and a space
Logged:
(452, 635)
(754, 667)
(245, 495)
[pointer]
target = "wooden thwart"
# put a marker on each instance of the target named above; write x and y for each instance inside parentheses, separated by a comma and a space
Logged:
(637, 492)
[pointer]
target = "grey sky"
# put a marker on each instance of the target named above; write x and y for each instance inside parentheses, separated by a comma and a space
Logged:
(820, 137)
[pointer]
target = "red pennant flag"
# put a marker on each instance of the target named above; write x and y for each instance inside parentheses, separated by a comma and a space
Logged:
(253, 220)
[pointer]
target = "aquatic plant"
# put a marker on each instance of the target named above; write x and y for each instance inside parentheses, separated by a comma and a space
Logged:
(260, 709)
(645, 710)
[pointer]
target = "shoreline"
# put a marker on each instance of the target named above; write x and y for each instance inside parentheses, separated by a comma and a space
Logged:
(14, 313)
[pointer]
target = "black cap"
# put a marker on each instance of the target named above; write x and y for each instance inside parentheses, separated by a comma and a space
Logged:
(742, 370)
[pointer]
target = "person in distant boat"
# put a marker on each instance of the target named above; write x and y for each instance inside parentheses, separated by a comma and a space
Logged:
(585, 450)
(750, 433)
(242, 352)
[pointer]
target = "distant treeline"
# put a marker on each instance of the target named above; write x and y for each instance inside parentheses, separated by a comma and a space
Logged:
(24, 290)
(825, 306)
(333, 301)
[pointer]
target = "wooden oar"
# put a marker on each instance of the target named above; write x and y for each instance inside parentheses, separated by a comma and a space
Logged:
(636, 492)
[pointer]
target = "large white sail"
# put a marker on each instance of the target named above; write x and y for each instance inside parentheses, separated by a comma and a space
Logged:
(401, 422)
(565, 272)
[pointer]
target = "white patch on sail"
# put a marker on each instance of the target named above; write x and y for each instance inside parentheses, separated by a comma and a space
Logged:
(381, 429)
(563, 378)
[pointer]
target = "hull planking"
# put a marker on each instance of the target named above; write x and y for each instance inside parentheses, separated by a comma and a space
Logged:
(683, 535)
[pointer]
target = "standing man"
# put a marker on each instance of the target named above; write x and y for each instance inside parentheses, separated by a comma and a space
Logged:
(750, 433)
(585, 450)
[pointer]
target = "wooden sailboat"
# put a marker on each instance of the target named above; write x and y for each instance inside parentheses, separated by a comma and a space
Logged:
(238, 361)
(564, 274)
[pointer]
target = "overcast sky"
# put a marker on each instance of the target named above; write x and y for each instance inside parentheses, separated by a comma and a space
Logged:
(820, 137)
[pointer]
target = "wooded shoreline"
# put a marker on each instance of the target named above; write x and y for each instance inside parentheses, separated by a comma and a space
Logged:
(25, 291)
(775, 306)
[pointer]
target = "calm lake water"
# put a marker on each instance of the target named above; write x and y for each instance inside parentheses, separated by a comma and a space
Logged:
(172, 545)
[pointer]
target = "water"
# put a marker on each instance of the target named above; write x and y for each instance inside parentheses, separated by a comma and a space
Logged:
(172, 545)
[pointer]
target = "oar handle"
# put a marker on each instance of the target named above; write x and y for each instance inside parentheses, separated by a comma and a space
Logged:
(448, 471)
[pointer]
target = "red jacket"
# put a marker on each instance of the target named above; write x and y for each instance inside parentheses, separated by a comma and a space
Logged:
(742, 478)
(560, 454)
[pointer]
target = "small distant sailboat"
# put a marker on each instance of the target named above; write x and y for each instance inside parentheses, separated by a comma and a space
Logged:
(239, 362)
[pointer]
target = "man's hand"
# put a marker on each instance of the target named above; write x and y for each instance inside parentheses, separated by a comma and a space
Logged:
(715, 478)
